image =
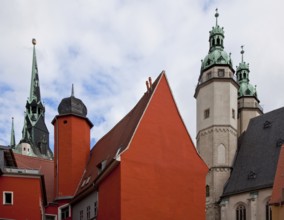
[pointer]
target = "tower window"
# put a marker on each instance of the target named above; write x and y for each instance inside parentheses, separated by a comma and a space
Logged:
(65, 121)
(241, 212)
(209, 75)
(207, 191)
(207, 113)
(7, 198)
(88, 212)
(233, 113)
(221, 73)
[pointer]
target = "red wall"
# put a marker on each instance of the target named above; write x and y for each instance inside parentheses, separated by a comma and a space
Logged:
(109, 197)
(26, 197)
(162, 176)
(72, 148)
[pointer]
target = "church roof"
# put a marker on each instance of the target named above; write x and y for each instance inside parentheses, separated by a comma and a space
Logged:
(256, 158)
(278, 186)
(108, 148)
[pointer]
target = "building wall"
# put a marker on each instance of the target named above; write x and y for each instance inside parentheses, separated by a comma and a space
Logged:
(255, 203)
(162, 175)
(71, 152)
(277, 212)
(27, 197)
(107, 197)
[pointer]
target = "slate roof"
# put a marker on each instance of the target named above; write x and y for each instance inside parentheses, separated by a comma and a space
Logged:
(278, 186)
(256, 159)
(115, 141)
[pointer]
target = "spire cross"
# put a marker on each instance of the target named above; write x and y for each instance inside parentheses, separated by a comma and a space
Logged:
(242, 52)
(216, 16)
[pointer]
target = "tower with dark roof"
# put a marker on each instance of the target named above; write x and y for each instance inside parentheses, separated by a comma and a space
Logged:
(71, 145)
(248, 103)
(35, 135)
(216, 101)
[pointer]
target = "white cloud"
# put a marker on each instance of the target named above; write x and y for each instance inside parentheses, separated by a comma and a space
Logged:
(109, 48)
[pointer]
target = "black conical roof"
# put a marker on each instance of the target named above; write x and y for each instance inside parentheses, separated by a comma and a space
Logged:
(72, 105)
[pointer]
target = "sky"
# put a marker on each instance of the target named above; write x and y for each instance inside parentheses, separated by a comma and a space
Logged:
(109, 48)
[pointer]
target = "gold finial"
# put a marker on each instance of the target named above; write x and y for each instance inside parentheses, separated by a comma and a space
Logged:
(34, 41)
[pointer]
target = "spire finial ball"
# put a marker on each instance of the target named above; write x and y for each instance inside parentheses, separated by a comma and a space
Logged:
(34, 41)
(216, 14)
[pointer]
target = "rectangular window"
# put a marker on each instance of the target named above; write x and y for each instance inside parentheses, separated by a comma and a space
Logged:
(209, 75)
(95, 208)
(233, 113)
(88, 212)
(221, 73)
(7, 198)
(65, 212)
(206, 113)
(81, 215)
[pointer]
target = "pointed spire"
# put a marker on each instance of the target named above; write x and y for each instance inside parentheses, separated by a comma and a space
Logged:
(72, 91)
(35, 89)
(216, 16)
(12, 142)
(242, 52)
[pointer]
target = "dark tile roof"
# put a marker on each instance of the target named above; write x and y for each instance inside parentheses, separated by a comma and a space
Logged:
(115, 141)
(257, 155)
(278, 186)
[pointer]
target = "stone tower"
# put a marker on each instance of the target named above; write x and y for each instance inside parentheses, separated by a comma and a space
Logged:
(216, 102)
(35, 135)
(248, 103)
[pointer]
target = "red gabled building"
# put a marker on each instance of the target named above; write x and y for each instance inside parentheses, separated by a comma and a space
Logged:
(22, 191)
(145, 167)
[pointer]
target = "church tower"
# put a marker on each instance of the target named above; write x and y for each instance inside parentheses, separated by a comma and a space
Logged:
(216, 102)
(35, 135)
(71, 145)
(248, 103)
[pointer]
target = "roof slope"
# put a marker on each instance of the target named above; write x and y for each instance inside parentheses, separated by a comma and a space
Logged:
(116, 140)
(278, 186)
(45, 167)
(256, 159)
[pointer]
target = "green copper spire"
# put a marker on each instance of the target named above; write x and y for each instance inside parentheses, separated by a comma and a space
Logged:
(216, 54)
(246, 89)
(35, 90)
(12, 141)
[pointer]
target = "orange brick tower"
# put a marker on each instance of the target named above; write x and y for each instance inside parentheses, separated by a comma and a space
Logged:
(71, 145)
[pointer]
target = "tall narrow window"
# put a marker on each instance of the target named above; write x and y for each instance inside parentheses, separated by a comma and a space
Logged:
(95, 208)
(209, 75)
(221, 157)
(207, 191)
(88, 213)
(7, 198)
(241, 212)
(233, 113)
(268, 212)
(207, 113)
(81, 215)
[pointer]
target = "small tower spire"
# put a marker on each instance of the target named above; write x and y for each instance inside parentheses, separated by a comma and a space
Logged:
(216, 16)
(242, 52)
(72, 91)
(12, 141)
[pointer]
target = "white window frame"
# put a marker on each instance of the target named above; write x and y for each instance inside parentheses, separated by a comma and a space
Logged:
(4, 198)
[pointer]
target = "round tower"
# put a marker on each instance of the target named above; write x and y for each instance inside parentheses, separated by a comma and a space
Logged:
(248, 103)
(216, 102)
(71, 145)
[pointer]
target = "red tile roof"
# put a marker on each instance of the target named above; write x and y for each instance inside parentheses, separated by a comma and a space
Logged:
(278, 186)
(45, 166)
(116, 140)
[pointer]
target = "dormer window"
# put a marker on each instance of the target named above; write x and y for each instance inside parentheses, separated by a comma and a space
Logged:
(101, 166)
(267, 124)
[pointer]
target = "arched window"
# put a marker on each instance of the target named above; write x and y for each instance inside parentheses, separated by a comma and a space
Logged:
(241, 212)
(221, 154)
(218, 41)
(207, 191)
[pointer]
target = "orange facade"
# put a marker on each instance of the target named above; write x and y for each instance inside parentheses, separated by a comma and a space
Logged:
(162, 176)
(71, 152)
(27, 197)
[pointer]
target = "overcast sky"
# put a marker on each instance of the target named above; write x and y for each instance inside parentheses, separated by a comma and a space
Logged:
(109, 48)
